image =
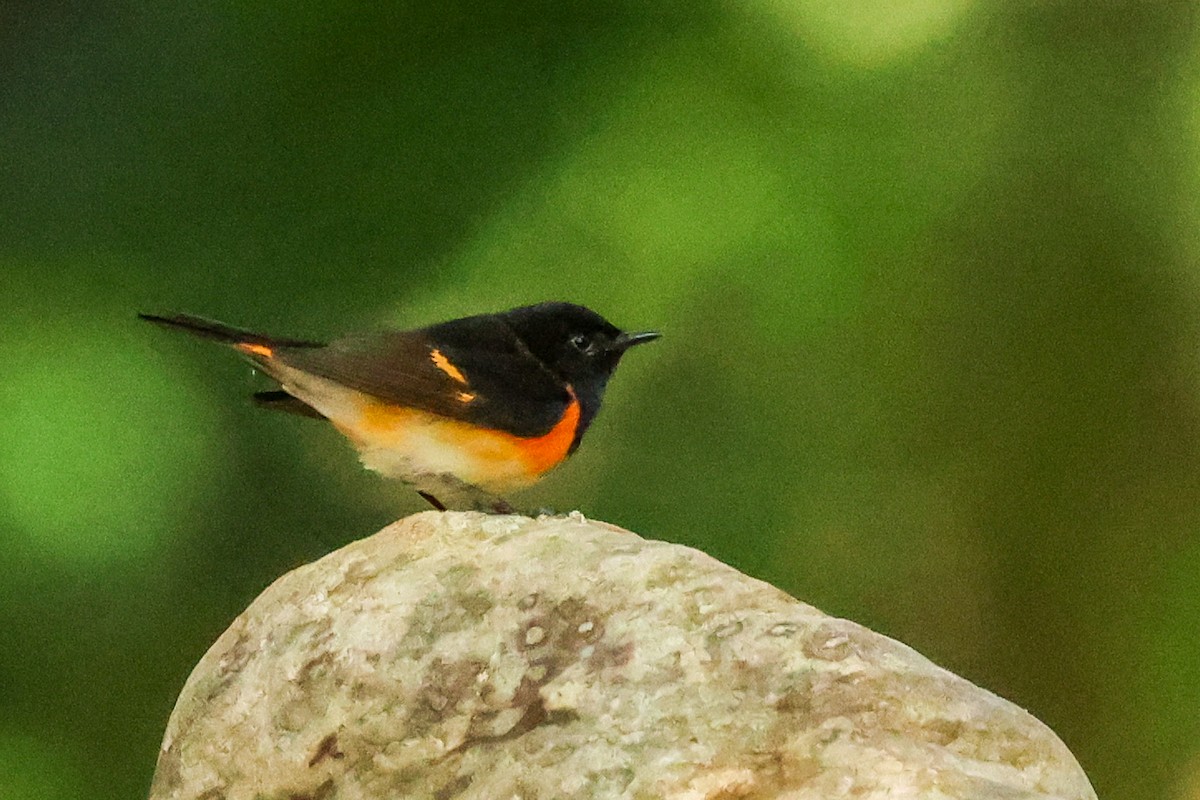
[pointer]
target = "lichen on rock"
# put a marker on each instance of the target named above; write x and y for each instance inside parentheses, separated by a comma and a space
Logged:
(459, 655)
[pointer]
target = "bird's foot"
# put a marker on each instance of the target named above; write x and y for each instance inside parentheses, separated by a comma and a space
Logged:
(438, 505)
(489, 505)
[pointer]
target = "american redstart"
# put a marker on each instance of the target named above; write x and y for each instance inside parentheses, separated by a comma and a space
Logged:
(463, 410)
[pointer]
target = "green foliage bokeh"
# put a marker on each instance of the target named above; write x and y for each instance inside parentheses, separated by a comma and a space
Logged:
(926, 272)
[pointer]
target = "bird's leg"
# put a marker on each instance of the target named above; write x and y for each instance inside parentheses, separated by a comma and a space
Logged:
(433, 501)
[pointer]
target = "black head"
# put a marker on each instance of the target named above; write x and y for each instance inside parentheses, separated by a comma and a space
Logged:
(575, 343)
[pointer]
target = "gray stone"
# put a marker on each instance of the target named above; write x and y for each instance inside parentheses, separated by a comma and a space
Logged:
(457, 655)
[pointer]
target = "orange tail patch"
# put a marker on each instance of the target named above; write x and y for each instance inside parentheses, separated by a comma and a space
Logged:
(253, 349)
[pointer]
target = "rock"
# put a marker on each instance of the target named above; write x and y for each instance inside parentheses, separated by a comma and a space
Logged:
(458, 655)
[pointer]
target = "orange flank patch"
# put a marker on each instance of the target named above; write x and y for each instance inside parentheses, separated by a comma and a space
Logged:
(441, 362)
(255, 349)
(404, 441)
(546, 451)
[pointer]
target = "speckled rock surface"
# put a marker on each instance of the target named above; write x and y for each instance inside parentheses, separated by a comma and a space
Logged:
(463, 656)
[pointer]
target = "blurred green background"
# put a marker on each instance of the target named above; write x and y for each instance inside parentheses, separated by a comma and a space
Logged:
(928, 273)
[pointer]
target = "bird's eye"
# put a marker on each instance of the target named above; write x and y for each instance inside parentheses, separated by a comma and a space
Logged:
(581, 343)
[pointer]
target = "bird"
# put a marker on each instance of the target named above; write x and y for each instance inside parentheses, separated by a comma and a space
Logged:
(464, 411)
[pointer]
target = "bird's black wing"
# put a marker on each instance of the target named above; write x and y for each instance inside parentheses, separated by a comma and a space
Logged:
(475, 370)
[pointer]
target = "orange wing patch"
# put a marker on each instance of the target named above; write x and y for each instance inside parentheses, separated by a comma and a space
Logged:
(428, 443)
(441, 362)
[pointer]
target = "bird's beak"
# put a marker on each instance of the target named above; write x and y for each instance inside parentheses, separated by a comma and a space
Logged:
(627, 340)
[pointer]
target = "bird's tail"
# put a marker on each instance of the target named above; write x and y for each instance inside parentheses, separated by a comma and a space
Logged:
(263, 351)
(226, 334)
